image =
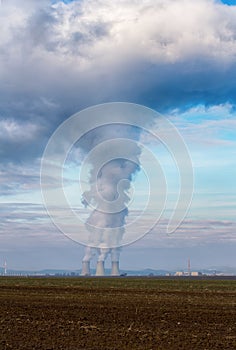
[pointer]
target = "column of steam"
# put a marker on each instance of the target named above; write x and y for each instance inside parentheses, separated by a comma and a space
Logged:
(112, 182)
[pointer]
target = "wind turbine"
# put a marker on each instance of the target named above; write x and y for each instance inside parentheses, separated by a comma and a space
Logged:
(5, 268)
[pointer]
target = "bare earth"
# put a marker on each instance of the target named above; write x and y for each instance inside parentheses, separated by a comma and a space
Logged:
(117, 313)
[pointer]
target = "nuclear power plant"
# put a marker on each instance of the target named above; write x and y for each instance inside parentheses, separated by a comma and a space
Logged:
(100, 268)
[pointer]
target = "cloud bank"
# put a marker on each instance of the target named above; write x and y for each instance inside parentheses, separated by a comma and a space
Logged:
(56, 59)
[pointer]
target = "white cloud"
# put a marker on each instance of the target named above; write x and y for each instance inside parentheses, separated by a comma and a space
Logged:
(15, 131)
(154, 30)
(100, 34)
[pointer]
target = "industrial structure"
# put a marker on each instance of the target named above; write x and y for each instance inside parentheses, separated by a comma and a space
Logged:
(100, 269)
(188, 272)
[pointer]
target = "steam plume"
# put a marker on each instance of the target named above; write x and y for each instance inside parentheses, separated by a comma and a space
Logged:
(108, 193)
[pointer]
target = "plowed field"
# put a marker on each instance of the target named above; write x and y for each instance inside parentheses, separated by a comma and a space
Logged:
(117, 313)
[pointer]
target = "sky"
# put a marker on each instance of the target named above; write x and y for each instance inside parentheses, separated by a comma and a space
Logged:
(176, 57)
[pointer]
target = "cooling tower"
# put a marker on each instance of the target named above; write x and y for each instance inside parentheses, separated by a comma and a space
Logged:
(100, 269)
(115, 268)
(85, 268)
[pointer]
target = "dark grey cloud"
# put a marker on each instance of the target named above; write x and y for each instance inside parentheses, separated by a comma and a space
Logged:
(56, 60)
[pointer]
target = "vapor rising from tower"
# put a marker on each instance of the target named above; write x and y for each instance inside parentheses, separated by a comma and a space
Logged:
(108, 193)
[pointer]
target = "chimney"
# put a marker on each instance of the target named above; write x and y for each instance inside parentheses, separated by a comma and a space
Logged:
(189, 267)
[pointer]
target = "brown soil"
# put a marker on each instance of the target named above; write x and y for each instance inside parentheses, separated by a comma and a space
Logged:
(116, 313)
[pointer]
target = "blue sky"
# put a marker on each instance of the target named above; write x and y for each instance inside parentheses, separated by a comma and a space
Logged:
(57, 59)
(229, 2)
